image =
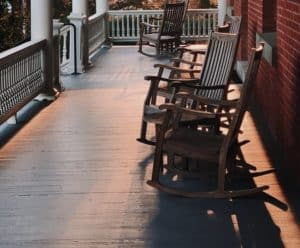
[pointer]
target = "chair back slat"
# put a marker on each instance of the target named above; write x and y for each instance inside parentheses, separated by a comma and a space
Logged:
(174, 14)
(245, 97)
(218, 64)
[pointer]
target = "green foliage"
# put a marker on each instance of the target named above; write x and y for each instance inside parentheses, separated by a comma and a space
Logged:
(13, 25)
(205, 4)
(130, 5)
(3, 8)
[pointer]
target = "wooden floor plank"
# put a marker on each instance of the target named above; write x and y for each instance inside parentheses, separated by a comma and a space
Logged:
(74, 176)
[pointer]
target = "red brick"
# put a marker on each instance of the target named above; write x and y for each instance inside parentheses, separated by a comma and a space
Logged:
(278, 87)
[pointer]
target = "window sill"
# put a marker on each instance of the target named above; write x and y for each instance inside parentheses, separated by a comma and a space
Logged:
(269, 52)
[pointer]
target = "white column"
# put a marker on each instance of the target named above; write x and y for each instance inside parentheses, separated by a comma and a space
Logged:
(80, 7)
(79, 17)
(101, 6)
(42, 28)
(222, 9)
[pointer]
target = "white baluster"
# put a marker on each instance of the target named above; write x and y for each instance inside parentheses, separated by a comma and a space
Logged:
(129, 32)
(113, 27)
(204, 29)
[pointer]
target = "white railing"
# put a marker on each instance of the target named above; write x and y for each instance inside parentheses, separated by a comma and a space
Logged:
(96, 31)
(124, 24)
(21, 76)
(199, 23)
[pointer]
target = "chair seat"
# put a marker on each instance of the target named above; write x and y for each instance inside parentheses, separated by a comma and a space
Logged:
(153, 114)
(197, 47)
(194, 144)
(154, 37)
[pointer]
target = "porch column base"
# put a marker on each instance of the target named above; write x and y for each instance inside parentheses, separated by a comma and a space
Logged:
(80, 22)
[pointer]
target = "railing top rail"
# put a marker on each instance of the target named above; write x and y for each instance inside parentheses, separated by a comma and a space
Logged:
(95, 17)
(122, 12)
(12, 55)
(65, 28)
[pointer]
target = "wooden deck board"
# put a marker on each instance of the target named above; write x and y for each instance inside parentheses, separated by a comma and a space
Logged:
(74, 176)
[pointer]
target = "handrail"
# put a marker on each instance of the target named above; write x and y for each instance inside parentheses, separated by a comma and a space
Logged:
(15, 54)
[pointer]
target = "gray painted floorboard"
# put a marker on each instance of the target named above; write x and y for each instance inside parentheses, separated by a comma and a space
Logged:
(74, 176)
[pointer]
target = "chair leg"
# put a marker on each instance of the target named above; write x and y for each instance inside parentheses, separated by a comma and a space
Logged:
(158, 157)
(171, 160)
(143, 129)
(140, 43)
(143, 134)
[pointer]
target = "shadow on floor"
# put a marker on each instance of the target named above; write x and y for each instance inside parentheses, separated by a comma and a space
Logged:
(7, 131)
(184, 222)
(287, 179)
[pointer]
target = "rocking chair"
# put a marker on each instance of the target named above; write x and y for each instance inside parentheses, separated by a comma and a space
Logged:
(198, 145)
(213, 81)
(193, 51)
(164, 37)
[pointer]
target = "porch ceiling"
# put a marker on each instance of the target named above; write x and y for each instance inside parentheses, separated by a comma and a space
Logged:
(74, 176)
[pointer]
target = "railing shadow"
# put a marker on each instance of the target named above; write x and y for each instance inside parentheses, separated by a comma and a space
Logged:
(7, 131)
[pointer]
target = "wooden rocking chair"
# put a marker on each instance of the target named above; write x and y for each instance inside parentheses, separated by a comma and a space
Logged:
(213, 81)
(194, 144)
(232, 25)
(164, 37)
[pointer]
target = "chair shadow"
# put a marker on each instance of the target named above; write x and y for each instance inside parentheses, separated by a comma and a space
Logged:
(286, 178)
(184, 222)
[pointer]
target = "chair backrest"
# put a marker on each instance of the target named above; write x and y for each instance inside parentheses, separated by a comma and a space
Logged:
(217, 65)
(234, 24)
(245, 96)
(173, 18)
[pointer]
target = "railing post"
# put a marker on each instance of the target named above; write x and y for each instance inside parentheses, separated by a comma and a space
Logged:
(42, 28)
(102, 7)
(79, 17)
(56, 56)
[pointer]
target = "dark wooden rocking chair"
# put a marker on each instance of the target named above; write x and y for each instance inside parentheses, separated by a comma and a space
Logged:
(195, 144)
(164, 37)
(213, 81)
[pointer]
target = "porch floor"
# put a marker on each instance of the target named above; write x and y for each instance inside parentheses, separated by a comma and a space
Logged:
(73, 175)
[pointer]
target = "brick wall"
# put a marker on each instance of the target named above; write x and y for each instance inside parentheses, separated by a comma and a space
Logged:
(241, 9)
(278, 87)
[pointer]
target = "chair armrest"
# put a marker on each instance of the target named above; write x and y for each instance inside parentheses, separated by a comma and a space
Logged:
(155, 18)
(199, 87)
(185, 48)
(197, 113)
(184, 82)
(146, 24)
(208, 101)
(156, 78)
(176, 69)
(178, 60)
(223, 29)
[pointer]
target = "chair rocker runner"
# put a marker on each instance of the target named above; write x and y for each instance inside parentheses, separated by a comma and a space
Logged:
(194, 144)
(164, 37)
(213, 81)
